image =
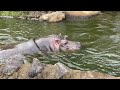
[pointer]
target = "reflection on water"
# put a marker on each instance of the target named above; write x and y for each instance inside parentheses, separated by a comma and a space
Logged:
(99, 36)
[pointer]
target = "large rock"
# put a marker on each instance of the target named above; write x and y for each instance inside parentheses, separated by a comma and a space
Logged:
(53, 17)
(23, 71)
(77, 74)
(11, 65)
(82, 13)
(61, 70)
(36, 68)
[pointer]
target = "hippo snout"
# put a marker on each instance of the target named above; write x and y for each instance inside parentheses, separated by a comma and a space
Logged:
(78, 45)
(70, 46)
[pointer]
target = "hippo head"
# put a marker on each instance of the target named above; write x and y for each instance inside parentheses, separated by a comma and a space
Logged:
(61, 43)
(70, 46)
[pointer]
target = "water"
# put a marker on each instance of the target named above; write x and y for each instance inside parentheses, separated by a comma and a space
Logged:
(99, 36)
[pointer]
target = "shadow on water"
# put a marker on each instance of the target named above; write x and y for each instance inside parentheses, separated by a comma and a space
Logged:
(99, 36)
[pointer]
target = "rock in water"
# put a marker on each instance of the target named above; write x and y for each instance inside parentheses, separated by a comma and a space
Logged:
(53, 17)
(61, 70)
(35, 69)
(82, 13)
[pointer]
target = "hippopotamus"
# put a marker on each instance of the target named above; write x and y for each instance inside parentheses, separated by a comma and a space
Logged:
(51, 43)
(13, 57)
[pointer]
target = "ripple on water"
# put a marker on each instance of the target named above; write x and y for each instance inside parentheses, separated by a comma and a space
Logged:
(6, 29)
(6, 39)
(99, 36)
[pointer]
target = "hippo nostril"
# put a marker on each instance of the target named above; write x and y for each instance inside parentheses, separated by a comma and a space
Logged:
(78, 43)
(79, 46)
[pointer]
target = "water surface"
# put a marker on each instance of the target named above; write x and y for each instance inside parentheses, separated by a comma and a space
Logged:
(99, 36)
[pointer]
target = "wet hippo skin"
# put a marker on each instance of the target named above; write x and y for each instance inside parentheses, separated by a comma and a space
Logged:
(51, 43)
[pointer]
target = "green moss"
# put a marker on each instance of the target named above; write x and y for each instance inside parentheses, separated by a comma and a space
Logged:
(12, 13)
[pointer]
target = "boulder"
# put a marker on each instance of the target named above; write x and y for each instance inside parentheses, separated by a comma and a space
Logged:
(35, 69)
(61, 70)
(23, 71)
(82, 13)
(53, 17)
(77, 74)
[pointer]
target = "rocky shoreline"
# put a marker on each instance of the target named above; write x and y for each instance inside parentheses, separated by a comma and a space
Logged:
(38, 70)
(52, 16)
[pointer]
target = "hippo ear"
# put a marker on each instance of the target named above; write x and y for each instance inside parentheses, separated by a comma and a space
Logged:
(57, 41)
(60, 34)
(65, 37)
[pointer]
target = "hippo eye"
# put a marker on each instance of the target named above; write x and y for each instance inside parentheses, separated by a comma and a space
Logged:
(65, 43)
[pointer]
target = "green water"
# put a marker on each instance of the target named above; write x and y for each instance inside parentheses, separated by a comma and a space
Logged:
(99, 36)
